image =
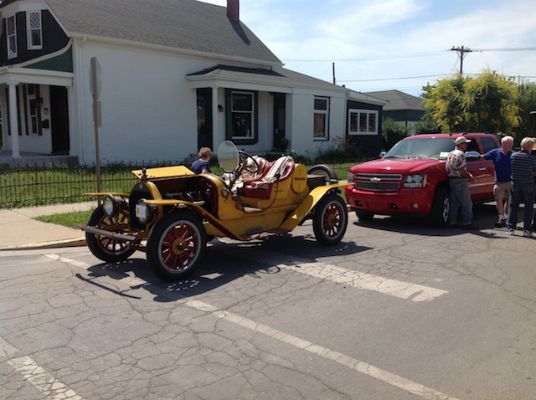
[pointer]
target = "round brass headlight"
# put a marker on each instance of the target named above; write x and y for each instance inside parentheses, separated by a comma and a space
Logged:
(108, 205)
(144, 213)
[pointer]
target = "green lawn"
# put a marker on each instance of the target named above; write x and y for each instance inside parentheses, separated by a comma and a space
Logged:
(68, 219)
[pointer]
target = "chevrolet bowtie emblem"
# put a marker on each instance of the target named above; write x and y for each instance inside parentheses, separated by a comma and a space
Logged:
(376, 180)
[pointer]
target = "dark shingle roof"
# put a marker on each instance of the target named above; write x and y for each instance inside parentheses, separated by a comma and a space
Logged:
(397, 100)
(181, 24)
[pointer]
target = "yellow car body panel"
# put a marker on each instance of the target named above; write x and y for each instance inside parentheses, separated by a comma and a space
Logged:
(164, 172)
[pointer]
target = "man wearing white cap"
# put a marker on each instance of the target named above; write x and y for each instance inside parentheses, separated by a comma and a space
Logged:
(459, 196)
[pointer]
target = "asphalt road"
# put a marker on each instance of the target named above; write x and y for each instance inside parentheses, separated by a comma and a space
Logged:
(399, 310)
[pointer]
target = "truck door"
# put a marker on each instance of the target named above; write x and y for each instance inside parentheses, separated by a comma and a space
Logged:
(483, 171)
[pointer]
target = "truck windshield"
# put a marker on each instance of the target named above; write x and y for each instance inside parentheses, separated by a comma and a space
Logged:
(421, 148)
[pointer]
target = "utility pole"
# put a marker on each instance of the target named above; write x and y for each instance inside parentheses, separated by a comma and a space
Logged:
(462, 51)
(334, 80)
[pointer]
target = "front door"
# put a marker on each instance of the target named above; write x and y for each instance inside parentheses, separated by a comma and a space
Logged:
(204, 118)
(59, 116)
(280, 141)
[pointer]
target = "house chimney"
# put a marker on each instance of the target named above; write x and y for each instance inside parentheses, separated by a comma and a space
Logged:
(233, 10)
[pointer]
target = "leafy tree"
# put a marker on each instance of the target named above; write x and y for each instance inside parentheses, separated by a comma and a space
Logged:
(490, 103)
(487, 103)
(527, 103)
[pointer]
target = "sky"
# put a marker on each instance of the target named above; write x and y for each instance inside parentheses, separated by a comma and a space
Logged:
(375, 43)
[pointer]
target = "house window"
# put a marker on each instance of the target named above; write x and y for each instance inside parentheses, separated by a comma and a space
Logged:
(362, 122)
(35, 33)
(243, 115)
(11, 37)
(321, 118)
(32, 110)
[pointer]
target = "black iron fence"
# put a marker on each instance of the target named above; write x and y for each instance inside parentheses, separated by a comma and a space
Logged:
(35, 185)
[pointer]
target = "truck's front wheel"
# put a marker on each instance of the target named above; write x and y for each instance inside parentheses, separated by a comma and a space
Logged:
(440, 207)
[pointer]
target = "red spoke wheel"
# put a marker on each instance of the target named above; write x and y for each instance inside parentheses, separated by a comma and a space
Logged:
(176, 245)
(330, 220)
(105, 248)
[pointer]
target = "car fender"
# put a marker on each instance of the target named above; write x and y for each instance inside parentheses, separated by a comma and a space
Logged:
(309, 203)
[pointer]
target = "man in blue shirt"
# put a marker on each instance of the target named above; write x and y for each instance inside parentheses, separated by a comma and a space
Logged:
(523, 173)
(503, 175)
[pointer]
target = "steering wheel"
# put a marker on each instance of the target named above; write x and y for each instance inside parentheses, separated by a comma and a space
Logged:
(245, 164)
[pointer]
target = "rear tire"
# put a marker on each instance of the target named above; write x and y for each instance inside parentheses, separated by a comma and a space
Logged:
(176, 245)
(330, 220)
(108, 249)
(440, 207)
(323, 170)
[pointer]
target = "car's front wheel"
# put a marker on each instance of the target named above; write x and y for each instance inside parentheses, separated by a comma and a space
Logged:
(330, 220)
(105, 248)
(176, 245)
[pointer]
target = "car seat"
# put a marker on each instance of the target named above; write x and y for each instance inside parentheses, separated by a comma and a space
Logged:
(261, 187)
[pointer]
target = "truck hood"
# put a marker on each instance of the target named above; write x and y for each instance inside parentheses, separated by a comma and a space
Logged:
(395, 166)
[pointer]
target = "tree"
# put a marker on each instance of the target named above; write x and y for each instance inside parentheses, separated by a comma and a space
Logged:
(487, 103)
(527, 103)
(392, 133)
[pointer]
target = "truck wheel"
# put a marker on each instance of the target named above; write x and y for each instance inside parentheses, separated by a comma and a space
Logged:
(176, 245)
(440, 207)
(330, 220)
(364, 216)
(104, 248)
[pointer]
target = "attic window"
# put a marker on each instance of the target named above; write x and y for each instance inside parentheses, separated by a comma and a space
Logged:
(35, 33)
(11, 37)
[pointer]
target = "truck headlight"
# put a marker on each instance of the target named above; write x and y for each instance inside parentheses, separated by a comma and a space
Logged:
(351, 177)
(112, 205)
(415, 181)
(144, 212)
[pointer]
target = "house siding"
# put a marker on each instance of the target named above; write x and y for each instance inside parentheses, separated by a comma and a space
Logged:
(369, 145)
(54, 39)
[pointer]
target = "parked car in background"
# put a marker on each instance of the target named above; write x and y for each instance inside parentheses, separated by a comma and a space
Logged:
(411, 177)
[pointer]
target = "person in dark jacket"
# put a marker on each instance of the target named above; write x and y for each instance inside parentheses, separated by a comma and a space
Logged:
(523, 173)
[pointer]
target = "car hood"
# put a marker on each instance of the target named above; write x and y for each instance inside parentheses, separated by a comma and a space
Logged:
(395, 166)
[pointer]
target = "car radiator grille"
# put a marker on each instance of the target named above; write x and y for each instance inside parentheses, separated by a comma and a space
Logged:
(378, 182)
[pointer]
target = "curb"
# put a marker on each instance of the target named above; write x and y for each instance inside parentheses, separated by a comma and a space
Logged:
(78, 242)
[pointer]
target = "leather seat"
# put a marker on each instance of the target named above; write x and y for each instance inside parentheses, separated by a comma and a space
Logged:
(261, 188)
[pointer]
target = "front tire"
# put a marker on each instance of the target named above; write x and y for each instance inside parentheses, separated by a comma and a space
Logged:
(176, 245)
(440, 207)
(330, 220)
(364, 215)
(104, 248)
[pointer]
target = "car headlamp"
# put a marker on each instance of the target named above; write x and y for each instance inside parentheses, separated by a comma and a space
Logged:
(111, 205)
(144, 213)
(351, 177)
(415, 181)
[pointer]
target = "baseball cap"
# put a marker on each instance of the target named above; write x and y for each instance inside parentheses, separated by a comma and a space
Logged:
(461, 140)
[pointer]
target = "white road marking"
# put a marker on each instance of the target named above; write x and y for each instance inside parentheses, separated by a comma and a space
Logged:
(85, 266)
(324, 352)
(336, 275)
(361, 280)
(6, 350)
(42, 380)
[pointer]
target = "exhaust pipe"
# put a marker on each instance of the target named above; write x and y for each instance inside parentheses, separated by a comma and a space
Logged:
(102, 232)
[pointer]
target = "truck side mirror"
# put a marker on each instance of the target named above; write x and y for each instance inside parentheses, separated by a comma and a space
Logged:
(472, 155)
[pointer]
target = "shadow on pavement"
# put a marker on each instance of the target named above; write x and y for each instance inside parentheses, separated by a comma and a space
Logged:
(485, 216)
(224, 262)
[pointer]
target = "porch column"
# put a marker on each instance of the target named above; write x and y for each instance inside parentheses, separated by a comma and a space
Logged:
(215, 119)
(13, 124)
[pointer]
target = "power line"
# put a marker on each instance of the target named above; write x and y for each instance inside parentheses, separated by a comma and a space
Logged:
(462, 52)
(379, 58)
(424, 76)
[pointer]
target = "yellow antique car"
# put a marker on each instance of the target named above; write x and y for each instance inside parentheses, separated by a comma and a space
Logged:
(171, 212)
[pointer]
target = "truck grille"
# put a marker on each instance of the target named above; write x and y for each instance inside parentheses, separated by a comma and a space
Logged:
(378, 182)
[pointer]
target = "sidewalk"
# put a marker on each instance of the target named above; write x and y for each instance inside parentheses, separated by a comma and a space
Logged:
(18, 229)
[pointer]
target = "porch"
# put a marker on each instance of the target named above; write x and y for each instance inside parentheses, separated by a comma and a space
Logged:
(35, 160)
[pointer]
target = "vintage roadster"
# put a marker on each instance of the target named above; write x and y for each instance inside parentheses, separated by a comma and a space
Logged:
(171, 212)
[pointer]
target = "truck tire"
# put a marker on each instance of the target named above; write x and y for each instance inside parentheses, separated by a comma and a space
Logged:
(330, 220)
(176, 245)
(364, 215)
(108, 249)
(440, 207)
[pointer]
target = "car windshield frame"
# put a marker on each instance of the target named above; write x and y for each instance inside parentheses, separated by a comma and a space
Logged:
(428, 148)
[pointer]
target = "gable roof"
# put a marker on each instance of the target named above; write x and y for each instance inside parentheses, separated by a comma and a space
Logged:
(397, 100)
(180, 24)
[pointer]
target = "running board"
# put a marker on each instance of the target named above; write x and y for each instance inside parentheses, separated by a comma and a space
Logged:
(102, 232)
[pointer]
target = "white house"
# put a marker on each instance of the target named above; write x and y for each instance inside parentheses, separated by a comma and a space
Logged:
(176, 75)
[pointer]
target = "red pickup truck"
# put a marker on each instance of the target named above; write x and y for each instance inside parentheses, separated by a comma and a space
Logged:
(411, 177)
